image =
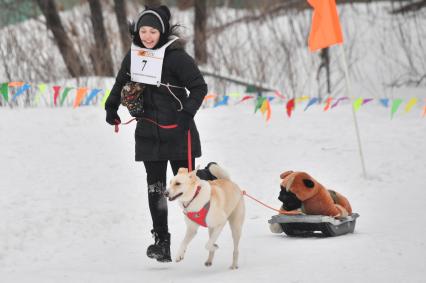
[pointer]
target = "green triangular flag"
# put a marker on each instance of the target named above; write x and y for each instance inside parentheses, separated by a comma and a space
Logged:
(395, 105)
(104, 99)
(4, 89)
(41, 90)
(64, 94)
(259, 103)
(357, 103)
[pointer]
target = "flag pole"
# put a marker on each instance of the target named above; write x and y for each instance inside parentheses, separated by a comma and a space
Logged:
(349, 92)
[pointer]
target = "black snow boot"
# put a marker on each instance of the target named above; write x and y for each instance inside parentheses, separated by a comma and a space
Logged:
(160, 250)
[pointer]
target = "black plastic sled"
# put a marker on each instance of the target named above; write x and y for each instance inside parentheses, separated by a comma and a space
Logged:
(312, 225)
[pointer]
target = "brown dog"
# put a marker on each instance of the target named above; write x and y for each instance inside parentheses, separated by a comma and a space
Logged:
(314, 197)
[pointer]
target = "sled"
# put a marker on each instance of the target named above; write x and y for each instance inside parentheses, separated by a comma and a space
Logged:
(313, 225)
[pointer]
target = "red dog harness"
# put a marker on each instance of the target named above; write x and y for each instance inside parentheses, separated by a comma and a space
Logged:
(198, 217)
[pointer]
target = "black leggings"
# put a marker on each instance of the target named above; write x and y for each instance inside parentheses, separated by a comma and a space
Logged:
(156, 176)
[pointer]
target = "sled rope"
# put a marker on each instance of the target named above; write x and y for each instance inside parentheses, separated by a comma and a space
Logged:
(280, 211)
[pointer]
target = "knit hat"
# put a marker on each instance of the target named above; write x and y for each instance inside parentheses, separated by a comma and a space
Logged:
(157, 18)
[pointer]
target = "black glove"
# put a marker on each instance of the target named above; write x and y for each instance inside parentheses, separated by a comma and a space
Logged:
(112, 117)
(184, 120)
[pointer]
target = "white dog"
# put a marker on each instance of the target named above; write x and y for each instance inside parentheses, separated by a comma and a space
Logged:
(210, 204)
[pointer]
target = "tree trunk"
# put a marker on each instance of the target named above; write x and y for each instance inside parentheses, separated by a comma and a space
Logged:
(102, 51)
(184, 4)
(152, 3)
(121, 14)
(200, 24)
(53, 22)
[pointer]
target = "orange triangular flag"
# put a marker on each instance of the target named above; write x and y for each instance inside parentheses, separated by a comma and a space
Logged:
(325, 30)
(81, 92)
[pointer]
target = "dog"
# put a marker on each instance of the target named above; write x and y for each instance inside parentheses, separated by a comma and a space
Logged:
(210, 204)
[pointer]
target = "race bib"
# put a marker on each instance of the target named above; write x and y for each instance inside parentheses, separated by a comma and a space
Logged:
(146, 64)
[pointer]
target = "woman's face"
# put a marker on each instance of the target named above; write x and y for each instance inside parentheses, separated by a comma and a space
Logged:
(149, 36)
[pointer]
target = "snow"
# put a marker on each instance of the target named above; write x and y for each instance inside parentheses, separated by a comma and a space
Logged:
(74, 208)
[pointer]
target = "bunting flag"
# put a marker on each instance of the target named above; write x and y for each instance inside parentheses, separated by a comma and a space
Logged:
(104, 99)
(279, 94)
(357, 103)
(338, 101)
(302, 99)
(16, 84)
(4, 89)
(328, 103)
(424, 112)
(21, 90)
(266, 108)
(311, 102)
(410, 104)
(92, 95)
(290, 107)
(395, 105)
(41, 89)
(223, 102)
(259, 103)
(235, 95)
(246, 97)
(56, 90)
(366, 100)
(209, 96)
(325, 30)
(81, 92)
(384, 102)
(65, 94)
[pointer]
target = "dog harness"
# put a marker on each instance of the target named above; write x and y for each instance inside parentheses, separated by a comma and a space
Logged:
(198, 217)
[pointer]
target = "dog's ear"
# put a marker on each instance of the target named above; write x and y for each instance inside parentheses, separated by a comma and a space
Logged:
(285, 174)
(182, 170)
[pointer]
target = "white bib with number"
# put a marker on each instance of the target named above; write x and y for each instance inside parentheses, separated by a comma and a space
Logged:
(146, 64)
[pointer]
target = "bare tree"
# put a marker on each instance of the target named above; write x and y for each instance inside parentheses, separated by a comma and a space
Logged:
(410, 7)
(121, 14)
(153, 3)
(184, 4)
(53, 22)
(200, 36)
(101, 53)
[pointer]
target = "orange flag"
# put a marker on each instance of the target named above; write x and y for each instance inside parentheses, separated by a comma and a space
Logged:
(81, 92)
(325, 30)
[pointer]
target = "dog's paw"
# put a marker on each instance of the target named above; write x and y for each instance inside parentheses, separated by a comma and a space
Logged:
(233, 267)
(208, 263)
(179, 258)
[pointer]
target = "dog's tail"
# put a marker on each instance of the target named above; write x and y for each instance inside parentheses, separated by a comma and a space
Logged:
(218, 171)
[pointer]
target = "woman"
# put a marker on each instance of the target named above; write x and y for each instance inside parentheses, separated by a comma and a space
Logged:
(163, 105)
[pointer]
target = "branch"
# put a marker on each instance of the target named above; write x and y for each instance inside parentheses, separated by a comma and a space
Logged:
(412, 7)
(284, 6)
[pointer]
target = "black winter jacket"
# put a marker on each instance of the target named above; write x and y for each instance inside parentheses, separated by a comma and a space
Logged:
(152, 142)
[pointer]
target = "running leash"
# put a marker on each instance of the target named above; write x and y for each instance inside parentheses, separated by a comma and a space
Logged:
(280, 211)
(171, 126)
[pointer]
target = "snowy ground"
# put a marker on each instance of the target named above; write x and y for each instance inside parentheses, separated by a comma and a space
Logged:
(73, 205)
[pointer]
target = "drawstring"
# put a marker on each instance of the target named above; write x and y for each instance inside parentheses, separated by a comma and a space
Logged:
(172, 93)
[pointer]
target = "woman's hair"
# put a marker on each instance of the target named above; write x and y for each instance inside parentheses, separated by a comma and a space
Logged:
(164, 37)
